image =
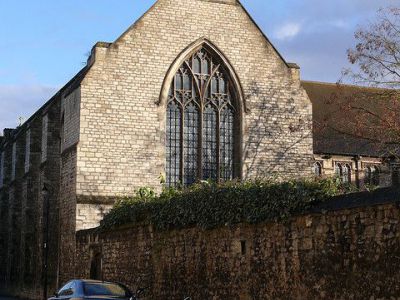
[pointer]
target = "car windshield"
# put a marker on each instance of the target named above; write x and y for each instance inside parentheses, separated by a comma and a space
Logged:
(104, 289)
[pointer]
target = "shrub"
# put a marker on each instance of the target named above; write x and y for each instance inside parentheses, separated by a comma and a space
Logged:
(209, 205)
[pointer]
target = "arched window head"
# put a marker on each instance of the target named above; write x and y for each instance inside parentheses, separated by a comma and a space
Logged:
(318, 169)
(202, 121)
(371, 176)
(343, 171)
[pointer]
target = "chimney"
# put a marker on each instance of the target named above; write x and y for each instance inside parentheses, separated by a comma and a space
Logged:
(295, 70)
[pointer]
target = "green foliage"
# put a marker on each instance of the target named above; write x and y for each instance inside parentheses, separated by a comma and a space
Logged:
(209, 205)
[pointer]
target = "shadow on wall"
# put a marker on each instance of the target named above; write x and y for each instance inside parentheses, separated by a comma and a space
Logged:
(274, 136)
(344, 251)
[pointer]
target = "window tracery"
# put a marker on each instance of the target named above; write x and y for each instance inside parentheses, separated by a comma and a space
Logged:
(343, 171)
(200, 135)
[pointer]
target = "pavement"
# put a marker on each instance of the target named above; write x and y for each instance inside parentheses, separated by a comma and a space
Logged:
(8, 298)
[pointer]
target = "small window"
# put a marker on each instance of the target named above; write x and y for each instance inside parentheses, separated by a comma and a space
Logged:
(318, 169)
(343, 171)
(371, 174)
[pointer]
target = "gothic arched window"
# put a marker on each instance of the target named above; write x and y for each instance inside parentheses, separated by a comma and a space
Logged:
(318, 169)
(343, 171)
(371, 175)
(201, 122)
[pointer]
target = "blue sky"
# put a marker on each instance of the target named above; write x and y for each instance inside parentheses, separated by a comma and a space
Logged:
(44, 43)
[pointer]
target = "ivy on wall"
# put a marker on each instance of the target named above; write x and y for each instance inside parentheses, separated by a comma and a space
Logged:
(209, 205)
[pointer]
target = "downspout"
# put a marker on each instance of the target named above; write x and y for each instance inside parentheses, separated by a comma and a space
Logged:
(357, 159)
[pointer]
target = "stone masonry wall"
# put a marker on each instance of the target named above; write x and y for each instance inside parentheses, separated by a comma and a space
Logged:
(23, 209)
(16, 211)
(89, 215)
(50, 170)
(70, 107)
(31, 249)
(5, 214)
(122, 126)
(342, 251)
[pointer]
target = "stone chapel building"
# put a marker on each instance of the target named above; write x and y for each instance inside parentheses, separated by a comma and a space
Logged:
(193, 90)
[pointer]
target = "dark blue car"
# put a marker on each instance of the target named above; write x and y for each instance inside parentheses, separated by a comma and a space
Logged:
(93, 290)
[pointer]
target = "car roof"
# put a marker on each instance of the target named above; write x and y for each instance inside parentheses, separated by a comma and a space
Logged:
(95, 281)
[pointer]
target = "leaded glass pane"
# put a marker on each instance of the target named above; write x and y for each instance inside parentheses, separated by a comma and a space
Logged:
(200, 85)
(173, 151)
(191, 143)
(187, 82)
(226, 144)
(222, 85)
(179, 96)
(338, 170)
(214, 85)
(210, 143)
(345, 173)
(178, 81)
(196, 65)
(205, 66)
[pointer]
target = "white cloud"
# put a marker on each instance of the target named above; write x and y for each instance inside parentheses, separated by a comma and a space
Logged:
(21, 101)
(288, 31)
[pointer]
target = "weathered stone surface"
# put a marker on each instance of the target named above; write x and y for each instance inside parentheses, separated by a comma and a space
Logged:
(23, 207)
(122, 124)
(345, 254)
(103, 136)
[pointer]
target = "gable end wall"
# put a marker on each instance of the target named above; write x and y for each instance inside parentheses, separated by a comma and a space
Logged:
(122, 132)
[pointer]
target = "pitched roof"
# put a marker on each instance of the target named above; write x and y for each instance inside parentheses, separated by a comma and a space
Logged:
(351, 120)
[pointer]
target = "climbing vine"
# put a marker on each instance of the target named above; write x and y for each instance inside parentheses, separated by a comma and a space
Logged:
(209, 205)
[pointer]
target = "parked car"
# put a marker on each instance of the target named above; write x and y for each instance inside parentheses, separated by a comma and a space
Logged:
(93, 290)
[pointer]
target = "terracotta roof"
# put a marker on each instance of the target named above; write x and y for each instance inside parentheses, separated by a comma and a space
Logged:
(349, 120)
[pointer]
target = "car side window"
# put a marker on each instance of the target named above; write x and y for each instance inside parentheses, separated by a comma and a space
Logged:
(67, 289)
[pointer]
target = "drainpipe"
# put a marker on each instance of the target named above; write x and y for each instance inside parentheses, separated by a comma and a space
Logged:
(45, 194)
(357, 159)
